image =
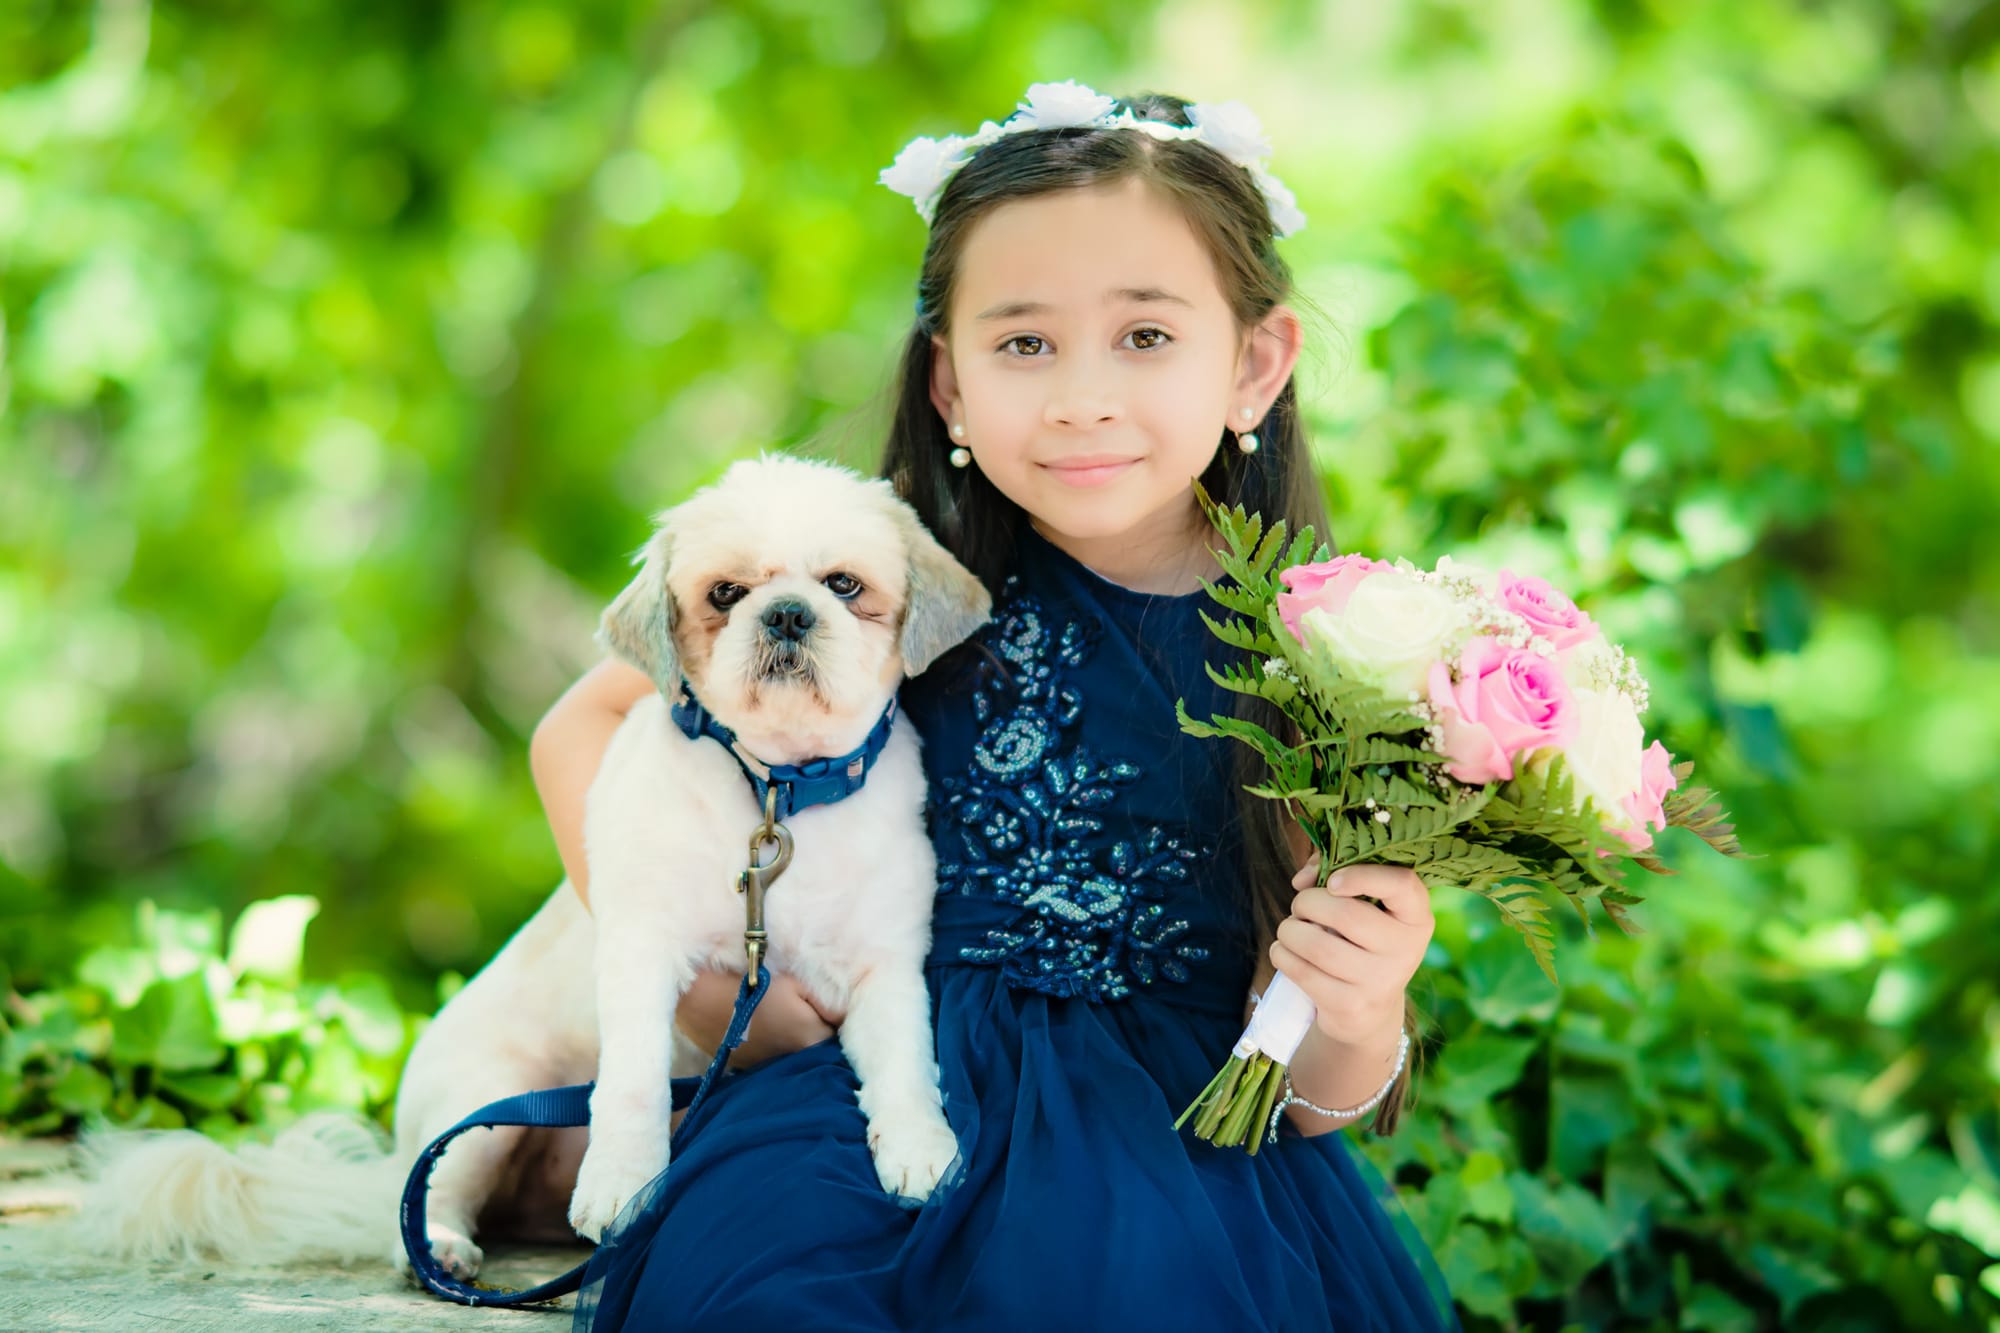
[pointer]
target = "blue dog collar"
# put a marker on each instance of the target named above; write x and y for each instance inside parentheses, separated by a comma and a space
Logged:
(815, 782)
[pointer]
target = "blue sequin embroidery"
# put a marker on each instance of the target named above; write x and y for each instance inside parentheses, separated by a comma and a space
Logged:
(1089, 921)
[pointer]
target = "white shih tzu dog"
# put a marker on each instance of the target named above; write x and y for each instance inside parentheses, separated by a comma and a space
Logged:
(786, 601)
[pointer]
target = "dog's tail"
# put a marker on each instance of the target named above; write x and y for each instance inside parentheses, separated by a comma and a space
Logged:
(326, 1188)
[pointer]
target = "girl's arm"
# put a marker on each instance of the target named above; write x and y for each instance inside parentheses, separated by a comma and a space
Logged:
(569, 745)
(1326, 1071)
(564, 755)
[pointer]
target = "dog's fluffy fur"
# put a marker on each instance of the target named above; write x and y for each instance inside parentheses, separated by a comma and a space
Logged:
(796, 669)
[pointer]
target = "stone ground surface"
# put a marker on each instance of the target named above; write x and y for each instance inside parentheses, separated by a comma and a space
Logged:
(50, 1283)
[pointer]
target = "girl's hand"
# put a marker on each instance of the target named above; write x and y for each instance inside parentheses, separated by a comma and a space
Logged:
(787, 1019)
(1352, 958)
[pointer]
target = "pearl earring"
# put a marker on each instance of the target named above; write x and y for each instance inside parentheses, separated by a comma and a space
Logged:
(961, 456)
(1247, 441)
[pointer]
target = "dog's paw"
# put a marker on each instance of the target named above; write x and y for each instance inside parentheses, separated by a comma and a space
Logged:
(912, 1151)
(610, 1175)
(452, 1248)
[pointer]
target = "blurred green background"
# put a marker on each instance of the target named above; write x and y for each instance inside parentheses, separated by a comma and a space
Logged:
(345, 350)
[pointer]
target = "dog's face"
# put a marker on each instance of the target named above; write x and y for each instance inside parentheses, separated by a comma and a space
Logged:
(793, 596)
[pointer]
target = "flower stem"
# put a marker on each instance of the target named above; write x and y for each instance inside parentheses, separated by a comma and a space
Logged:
(1211, 1093)
(1210, 1119)
(1273, 1086)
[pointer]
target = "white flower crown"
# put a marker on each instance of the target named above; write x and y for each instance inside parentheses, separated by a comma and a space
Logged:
(1231, 128)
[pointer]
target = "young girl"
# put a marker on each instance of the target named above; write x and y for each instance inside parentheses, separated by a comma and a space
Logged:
(1101, 318)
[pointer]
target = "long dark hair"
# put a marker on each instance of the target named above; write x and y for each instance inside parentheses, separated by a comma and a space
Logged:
(980, 525)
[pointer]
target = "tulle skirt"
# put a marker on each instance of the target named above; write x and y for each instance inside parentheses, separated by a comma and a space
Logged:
(1074, 1204)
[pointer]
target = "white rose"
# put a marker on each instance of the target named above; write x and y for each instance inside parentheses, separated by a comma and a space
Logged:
(1056, 106)
(1605, 758)
(1232, 129)
(922, 168)
(1390, 632)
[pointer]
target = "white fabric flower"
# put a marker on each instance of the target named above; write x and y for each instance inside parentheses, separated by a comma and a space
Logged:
(925, 164)
(1056, 106)
(1390, 632)
(988, 131)
(1284, 205)
(1232, 129)
(922, 168)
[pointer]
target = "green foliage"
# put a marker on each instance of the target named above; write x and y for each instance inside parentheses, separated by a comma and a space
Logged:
(173, 1030)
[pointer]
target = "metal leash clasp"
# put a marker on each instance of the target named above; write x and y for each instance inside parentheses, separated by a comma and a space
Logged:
(758, 877)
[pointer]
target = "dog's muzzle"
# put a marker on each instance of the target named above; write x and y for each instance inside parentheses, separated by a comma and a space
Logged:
(784, 638)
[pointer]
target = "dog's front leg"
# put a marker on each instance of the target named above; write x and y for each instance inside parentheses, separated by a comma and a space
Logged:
(639, 980)
(887, 1038)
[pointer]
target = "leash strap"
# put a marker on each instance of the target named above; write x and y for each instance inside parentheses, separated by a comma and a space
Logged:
(556, 1108)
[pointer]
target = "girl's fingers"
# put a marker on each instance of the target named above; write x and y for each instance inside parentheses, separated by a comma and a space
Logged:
(1308, 874)
(1398, 888)
(1329, 994)
(1340, 959)
(1361, 923)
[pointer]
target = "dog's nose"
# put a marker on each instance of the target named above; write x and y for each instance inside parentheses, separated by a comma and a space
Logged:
(788, 620)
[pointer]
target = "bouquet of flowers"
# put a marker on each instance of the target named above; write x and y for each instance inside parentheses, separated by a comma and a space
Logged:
(1476, 727)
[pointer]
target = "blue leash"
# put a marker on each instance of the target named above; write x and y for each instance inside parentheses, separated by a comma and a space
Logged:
(780, 790)
(557, 1108)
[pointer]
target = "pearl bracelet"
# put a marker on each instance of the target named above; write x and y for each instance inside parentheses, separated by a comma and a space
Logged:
(1292, 1098)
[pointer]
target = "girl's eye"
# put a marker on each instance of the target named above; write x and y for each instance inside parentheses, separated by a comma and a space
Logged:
(725, 595)
(1026, 338)
(1159, 338)
(844, 586)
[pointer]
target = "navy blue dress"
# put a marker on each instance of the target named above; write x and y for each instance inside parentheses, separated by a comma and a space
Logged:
(1087, 978)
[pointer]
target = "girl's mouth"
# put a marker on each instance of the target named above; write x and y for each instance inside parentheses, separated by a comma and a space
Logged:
(1089, 469)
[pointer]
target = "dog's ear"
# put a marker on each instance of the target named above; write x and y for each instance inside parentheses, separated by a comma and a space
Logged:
(638, 626)
(944, 602)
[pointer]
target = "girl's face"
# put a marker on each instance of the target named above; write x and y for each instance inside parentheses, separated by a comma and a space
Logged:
(1094, 363)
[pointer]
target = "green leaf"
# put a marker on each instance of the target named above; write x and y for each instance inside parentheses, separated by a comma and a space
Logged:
(1475, 1069)
(122, 973)
(268, 939)
(1488, 1194)
(1565, 1225)
(171, 1027)
(372, 1017)
(211, 1092)
(82, 1090)
(1504, 985)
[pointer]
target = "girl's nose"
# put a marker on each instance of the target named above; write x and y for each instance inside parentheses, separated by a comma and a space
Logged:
(1084, 396)
(1083, 393)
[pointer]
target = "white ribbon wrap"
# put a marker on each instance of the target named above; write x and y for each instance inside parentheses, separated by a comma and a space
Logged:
(1280, 1022)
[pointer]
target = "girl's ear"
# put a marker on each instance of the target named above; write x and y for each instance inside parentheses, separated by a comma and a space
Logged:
(638, 626)
(944, 381)
(1269, 354)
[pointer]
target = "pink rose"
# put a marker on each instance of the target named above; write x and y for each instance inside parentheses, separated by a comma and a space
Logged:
(1324, 586)
(1647, 805)
(1548, 611)
(1505, 700)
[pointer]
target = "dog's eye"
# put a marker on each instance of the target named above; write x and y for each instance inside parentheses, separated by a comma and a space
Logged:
(841, 585)
(725, 595)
